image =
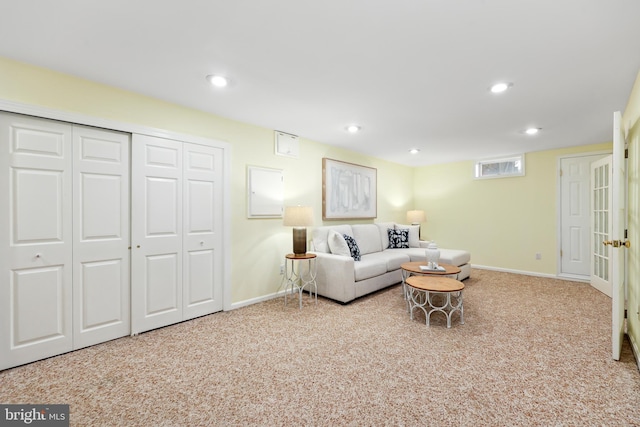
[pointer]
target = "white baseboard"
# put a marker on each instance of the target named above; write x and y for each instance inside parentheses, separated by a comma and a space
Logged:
(529, 273)
(636, 350)
(256, 300)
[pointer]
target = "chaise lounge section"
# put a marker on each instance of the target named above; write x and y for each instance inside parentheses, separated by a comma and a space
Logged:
(341, 278)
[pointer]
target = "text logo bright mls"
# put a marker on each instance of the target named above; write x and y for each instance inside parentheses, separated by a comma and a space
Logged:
(34, 415)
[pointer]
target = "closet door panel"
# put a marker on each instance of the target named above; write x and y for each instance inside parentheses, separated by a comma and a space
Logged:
(202, 230)
(101, 235)
(157, 232)
(35, 239)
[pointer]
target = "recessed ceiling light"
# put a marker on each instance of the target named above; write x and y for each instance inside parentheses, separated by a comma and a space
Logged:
(532, 131)
(353, 128)
(217, 80)
(414, 151)
(500, 87)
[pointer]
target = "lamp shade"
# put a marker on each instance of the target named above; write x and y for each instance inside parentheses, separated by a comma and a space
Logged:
(298, 216)
(416, 217)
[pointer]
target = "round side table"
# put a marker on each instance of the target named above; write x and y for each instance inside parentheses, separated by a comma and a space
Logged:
(300, 273)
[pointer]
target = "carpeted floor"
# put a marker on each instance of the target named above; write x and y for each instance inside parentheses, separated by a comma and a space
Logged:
(532, 351)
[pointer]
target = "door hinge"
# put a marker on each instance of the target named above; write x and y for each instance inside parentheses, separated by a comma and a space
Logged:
(626, 153)
(560, 253)
(625, 234)
(560, 172)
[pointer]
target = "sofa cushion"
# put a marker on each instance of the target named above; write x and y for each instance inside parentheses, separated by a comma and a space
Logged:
(353, 247)
(393, 259)
(384, 235)
(414, 234)
(337, 244)
(370, 266)
(454, 257)
(368, 238)
(321, 234)
(398, 239)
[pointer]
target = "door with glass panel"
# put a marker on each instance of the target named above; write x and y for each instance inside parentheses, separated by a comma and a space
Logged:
(609, 215)
(601, 223)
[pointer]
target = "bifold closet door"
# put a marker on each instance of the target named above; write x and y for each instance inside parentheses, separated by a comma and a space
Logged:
(35, 239)
(177, 231)
(202, 237)
(101, 292)
(156, 221)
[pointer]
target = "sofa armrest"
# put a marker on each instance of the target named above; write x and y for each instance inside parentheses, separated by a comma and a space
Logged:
(335, 276)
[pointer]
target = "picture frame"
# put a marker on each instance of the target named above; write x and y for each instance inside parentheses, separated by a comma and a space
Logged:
(349, 191)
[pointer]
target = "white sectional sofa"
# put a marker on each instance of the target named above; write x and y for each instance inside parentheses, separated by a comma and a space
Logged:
(341, 278)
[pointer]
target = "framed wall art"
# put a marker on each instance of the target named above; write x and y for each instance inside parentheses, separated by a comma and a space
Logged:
(349, 191)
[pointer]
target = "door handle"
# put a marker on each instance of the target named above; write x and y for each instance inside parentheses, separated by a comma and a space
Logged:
(617, 243)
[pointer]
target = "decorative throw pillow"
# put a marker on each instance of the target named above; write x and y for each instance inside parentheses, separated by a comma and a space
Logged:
(353, 247)
(398, 239)
(337, 244)
(414, 234)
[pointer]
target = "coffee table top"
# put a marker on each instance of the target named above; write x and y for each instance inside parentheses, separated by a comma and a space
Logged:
(414, 267)
(435, 283)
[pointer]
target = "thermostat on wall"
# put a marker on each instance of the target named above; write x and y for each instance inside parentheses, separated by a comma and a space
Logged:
(286, 144)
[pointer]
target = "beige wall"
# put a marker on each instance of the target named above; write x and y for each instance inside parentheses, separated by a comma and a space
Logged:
(503, 222)
(631, 123)
(258, 245)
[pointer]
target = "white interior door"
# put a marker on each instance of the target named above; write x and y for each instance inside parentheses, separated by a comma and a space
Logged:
(575, 208)
(619, 218)
(156, 253)
(35, 239)
(202, 245)
(101, 308)
(602, 225)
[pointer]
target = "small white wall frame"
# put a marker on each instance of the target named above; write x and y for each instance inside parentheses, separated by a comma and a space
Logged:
(265, 192)
(286, 144)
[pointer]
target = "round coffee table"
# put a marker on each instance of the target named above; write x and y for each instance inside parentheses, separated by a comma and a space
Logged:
(409, 269)
(421, 291)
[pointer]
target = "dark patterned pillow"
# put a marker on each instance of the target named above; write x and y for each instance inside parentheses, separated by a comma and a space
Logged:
(353, 247)
(398, 239)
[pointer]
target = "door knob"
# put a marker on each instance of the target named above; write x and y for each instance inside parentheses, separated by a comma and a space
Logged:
(617, 243)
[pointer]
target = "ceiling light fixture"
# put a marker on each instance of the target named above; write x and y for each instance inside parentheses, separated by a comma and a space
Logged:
(414, 151)
(532, 131)
(217, 80)
(353, 128)
(500, 87)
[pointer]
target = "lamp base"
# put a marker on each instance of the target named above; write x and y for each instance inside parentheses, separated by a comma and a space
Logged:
(299, 241)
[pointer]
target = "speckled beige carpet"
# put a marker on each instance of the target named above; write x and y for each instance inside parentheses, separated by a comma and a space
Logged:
(532, 351)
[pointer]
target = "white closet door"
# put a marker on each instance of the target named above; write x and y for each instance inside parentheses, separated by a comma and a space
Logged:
(202, 288)
(156, 253)
(35, 239)
(101, 309)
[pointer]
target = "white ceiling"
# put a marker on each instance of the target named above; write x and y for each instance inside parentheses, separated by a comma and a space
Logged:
(412, 73)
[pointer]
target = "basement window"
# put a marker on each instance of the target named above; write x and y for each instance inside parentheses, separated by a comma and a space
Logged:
(500, 168)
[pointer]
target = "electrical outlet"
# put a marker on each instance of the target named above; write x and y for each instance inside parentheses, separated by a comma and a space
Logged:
(538, 256)
(281, 269)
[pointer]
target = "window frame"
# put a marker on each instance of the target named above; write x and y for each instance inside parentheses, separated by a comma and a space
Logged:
(478, 165)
